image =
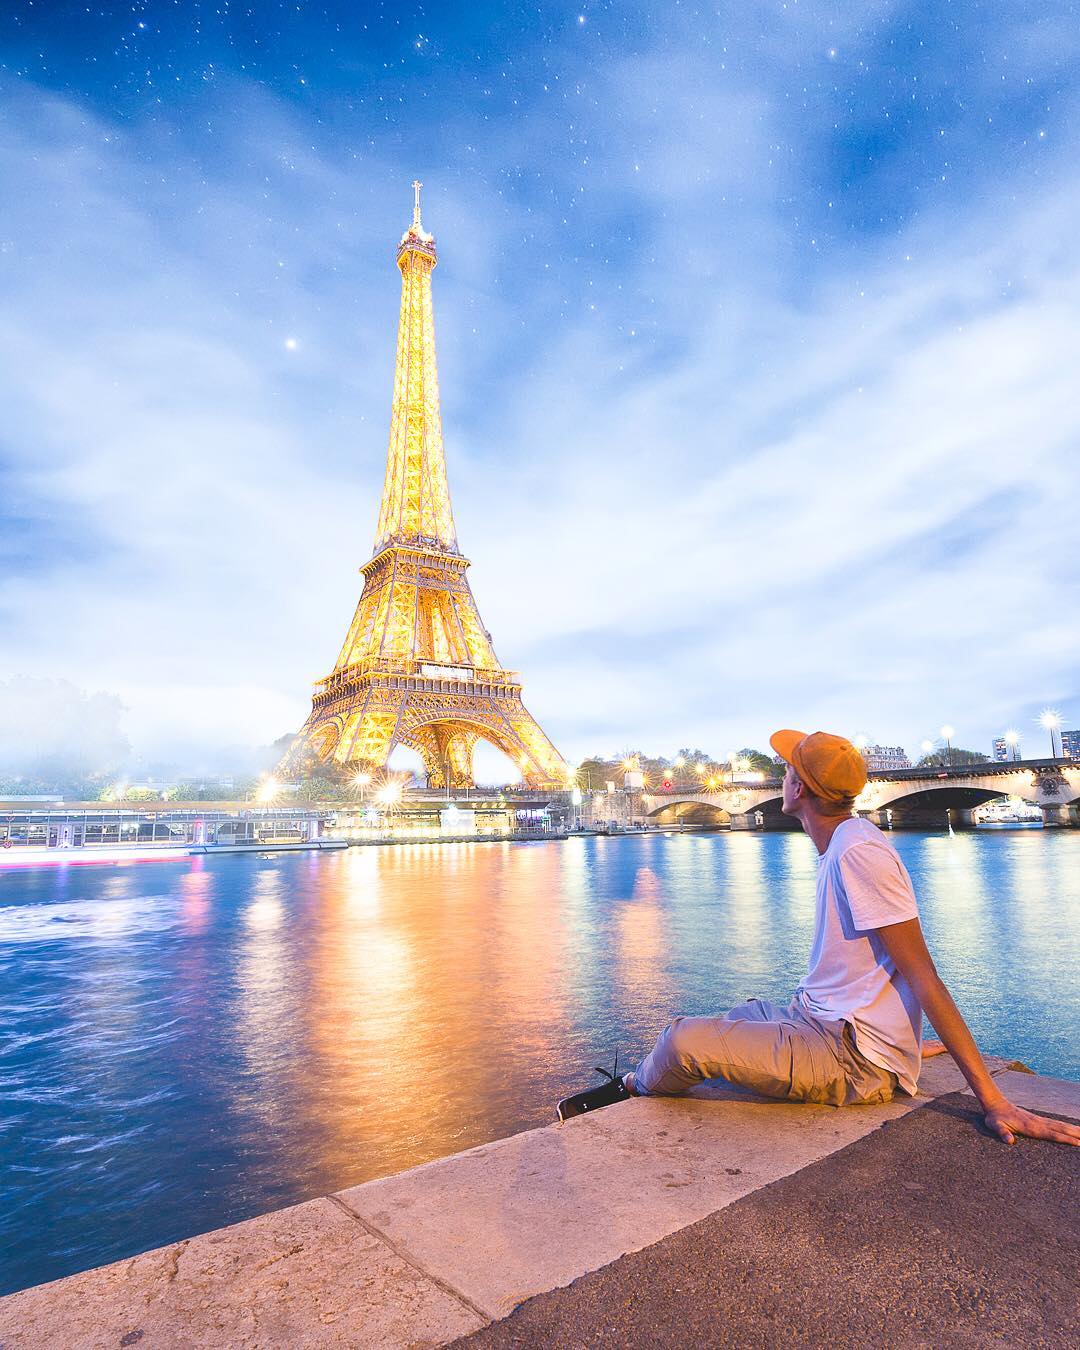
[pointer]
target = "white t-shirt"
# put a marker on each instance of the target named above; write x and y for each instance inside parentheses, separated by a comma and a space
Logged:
(863, 885)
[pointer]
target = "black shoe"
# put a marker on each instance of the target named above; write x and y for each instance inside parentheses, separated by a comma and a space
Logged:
(607, 1094)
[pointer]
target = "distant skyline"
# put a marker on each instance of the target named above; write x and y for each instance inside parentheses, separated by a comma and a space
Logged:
(756, 329)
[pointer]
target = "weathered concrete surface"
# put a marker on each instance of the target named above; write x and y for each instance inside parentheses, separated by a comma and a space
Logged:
(927, 1233)
(508, 1220)
(1051, 1096)
(306, 1276)
(429, 1255)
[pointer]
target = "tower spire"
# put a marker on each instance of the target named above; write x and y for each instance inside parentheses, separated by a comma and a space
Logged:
(416, 498)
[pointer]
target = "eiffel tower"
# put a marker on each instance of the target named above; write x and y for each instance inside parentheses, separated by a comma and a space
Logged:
(417, 667)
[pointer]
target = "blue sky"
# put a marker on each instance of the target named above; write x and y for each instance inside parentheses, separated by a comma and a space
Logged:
(757, 333)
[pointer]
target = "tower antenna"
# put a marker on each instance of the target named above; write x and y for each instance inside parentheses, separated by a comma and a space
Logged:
(417, 185)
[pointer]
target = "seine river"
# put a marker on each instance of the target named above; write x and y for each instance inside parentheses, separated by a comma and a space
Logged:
(185, 1044)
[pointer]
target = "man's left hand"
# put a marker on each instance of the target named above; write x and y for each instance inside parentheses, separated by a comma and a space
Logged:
(1007, 1121)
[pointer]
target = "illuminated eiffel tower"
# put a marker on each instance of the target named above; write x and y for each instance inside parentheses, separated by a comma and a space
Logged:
(417, 667)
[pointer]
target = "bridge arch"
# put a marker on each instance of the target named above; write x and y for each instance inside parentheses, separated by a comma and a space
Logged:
(769, 815)
(921, 805)
(741, 808)
(939, 807)
(689, 812)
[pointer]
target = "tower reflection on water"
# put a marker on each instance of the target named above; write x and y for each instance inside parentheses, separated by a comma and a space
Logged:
(199, 1041)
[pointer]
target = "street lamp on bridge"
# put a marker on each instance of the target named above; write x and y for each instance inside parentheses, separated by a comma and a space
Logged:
(1050, 720)
(1012, 742)
(948, 732)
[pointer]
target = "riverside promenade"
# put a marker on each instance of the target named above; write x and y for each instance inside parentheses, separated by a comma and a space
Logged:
(721, 1219)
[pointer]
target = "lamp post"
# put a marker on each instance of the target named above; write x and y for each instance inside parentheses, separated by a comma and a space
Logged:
(927, 747)
(388, 797)
(631, 766)
(1050, 720)
(361, 780)
(948, 732)
(1012, 742)
(268, 790)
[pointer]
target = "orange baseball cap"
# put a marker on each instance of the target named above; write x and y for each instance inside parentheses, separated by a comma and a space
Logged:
(830, 766)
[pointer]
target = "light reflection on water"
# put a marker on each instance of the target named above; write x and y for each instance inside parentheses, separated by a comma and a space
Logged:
(185, 1044)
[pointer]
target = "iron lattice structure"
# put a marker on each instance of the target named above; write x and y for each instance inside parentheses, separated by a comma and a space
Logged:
(417, 667)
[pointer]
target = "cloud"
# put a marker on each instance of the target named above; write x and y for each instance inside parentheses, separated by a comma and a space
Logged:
(724, 455)
(51, 722)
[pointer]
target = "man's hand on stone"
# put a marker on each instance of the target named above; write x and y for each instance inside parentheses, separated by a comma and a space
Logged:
(1007, 1121)
(932, 1048)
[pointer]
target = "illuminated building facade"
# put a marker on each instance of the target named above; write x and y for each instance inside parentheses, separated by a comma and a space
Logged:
(880, 758)
(417, 667)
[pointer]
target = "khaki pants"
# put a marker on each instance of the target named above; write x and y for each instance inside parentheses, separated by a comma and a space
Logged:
(779, 1052)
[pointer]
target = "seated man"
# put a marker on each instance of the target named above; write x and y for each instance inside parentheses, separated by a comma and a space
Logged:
(853, 1032)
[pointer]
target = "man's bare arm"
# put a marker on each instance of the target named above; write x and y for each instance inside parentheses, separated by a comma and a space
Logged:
(904, 942)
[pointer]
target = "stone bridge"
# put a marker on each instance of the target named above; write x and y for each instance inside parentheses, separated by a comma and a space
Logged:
(914, 799)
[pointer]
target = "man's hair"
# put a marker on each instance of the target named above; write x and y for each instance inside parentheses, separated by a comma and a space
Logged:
(824, 806)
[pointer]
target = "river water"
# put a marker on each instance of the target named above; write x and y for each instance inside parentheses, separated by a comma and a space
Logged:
(185, 1044)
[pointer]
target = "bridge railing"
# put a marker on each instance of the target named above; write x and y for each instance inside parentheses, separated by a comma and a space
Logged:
(979, 769)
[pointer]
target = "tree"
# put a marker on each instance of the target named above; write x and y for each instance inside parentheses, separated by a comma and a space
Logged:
(319, 789)
(758, 762)
(950, 758)
(595, 773)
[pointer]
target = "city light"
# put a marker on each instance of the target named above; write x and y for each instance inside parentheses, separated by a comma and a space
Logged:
(389, 794)
(861, 742)
(1012, 741)
(948, 731)
(268, 790)
(679, 761)
(927, 747)
(1050, 720)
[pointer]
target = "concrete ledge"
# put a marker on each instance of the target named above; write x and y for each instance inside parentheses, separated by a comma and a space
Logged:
(437, 1252)
(1051, 1096)
(309, 1275)
(929, 1234)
